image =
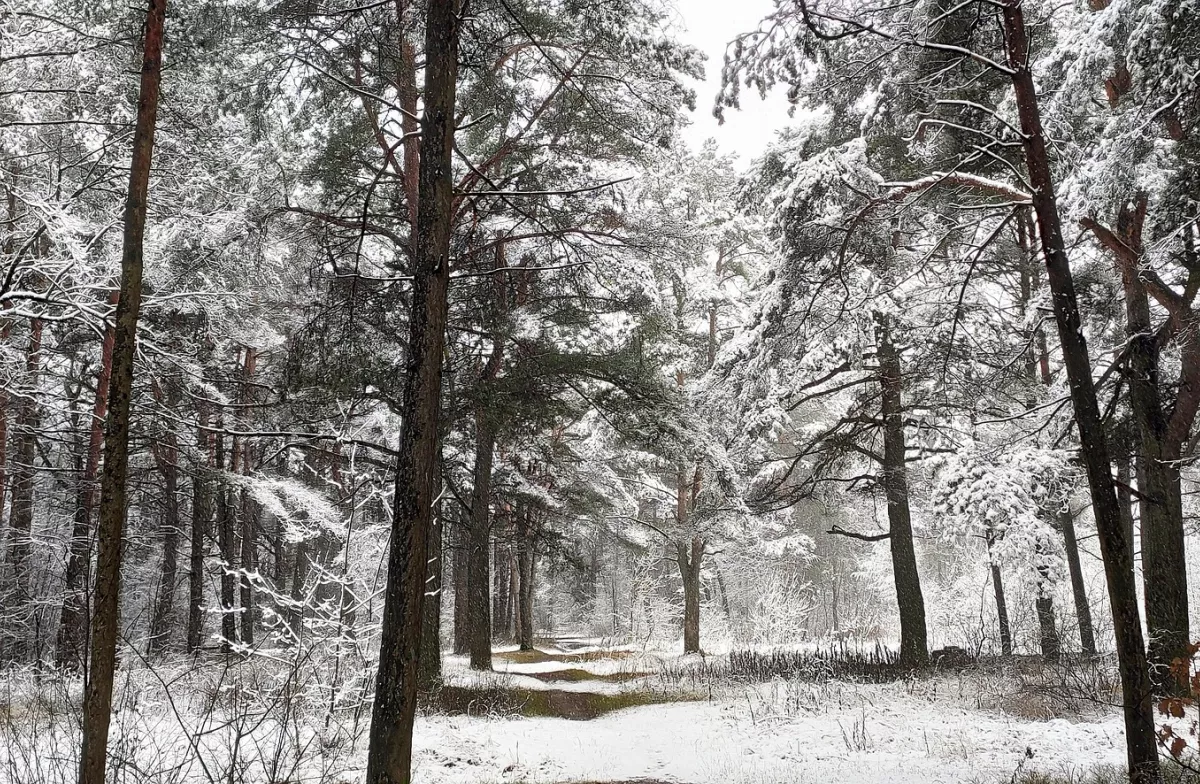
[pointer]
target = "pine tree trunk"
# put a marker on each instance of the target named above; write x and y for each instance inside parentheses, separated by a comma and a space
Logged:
(73, 623)
(1140, 736)
(389, 754)
(495, 569)
(914, 645)
(1044, 604)
(514, 593)
(97, 706)
(201, 520)
(1163, 431)
(1038, 364)
(430, 673)
(460, 539)
(479, 619)
(499, 587)
(1006, 645)
(725, 605)
(20, 518)
(689, 555)
(1125, 498)
(248, 558)
(1083, 610)
(299, 587)
(161, 621)
(225, 543)
(1164, 570)
(525, 578)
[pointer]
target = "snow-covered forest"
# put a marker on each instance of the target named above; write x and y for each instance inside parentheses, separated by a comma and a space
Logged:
(395, 390)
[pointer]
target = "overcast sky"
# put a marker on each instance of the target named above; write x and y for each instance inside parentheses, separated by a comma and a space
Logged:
(709, 25)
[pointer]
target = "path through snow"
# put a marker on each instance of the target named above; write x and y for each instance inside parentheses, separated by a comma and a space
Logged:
(852, 734)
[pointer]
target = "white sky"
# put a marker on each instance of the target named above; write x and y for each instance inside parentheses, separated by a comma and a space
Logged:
(709, 25)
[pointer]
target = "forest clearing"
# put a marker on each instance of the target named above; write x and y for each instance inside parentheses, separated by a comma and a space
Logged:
(588, 712)
(599, 391)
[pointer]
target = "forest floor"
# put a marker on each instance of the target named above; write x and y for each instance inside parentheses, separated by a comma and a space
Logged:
(576, 710)
(630, 724)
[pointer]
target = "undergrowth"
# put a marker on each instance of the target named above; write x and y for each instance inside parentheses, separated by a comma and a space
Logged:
(1107, 774)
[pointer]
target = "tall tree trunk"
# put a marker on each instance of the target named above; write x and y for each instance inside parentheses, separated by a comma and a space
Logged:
(1163, 430)
(1164, 569)
(166, 457)
(1044, 603)
(513, 592)
(1038, 359)
(73, 624)
(914, 644)
(20, 518)
(689, 554)
(525, 564)
(225, 543)
(248, 557)
(1006, 646)
(389, 754)
(1083, 610)
(1125, 499)
(299, 587)
(460, 537)
(5, 331)
(97, 706)
(725, 605)
(499, 587)
(1141, 742)
(479, 610)
(201, 515)
(479, 619)
(431, 634)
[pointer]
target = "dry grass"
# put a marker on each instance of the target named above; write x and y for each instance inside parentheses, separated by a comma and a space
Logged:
(544, 657)
(495, 700)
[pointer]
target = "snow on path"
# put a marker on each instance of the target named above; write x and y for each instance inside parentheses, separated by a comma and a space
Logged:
(901, 740)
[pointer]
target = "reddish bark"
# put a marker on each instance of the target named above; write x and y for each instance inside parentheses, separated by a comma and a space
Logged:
(97, 708)
(73, 626)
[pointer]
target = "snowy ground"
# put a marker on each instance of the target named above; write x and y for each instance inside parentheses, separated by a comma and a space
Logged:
(948, 728)
(925, 731)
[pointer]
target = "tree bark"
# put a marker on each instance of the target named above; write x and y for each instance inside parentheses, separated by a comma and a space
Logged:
(166, 456)
(479, 618)
(430, 673)
(1164, 568)
(389, 753)
(500, 580)
(1083, 610)
(514, 587)
(248, 557)
(1044, 604)
(1006, 646)
(73, 624)
(1141, 742)
(20, 518)
(689, 554)
(201, 514)
(1125, 479)
(525, 566)
(97, 706)
(1038, 364)
(459, 555)
(225, 543)
(299, 585)
(914, 644)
